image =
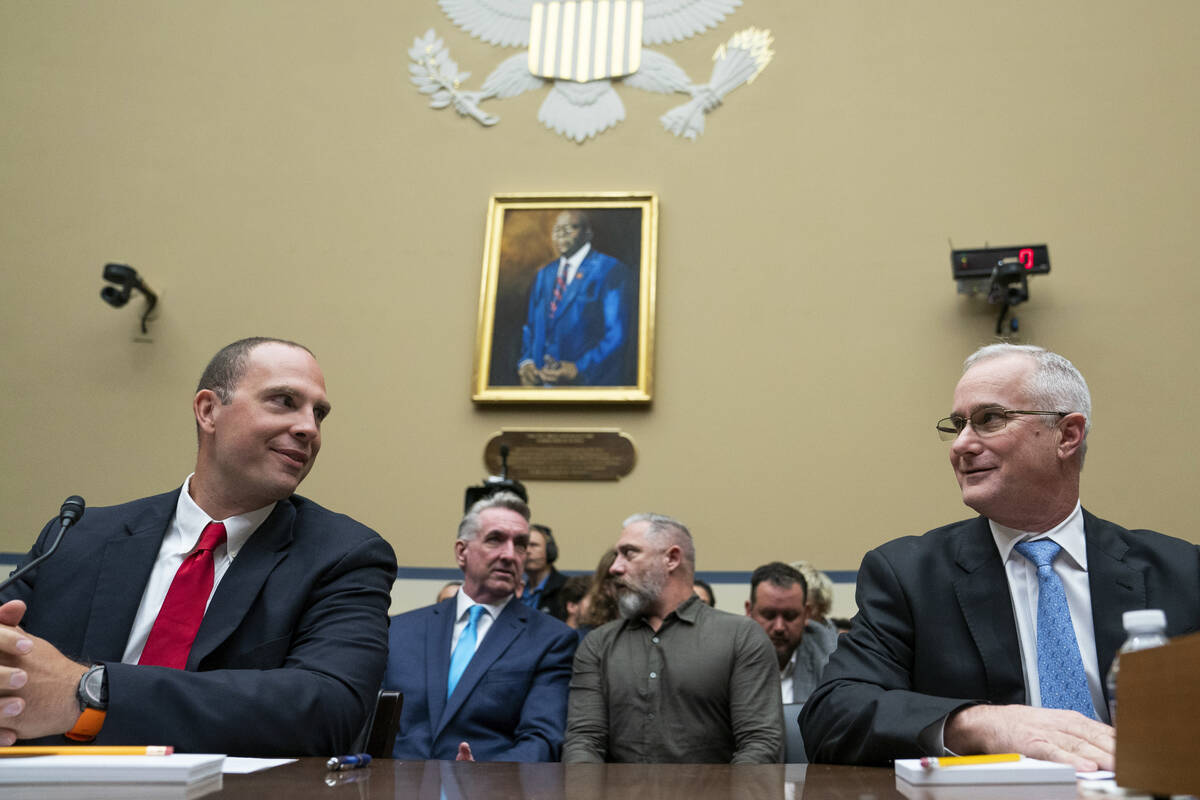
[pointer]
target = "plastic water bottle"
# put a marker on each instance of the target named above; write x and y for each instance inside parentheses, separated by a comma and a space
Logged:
(1143, 629)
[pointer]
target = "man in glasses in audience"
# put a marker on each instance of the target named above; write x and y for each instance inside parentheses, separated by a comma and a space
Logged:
(994, 634)
(581, 307)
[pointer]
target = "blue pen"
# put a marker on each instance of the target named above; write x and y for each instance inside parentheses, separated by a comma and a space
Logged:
(341, 763)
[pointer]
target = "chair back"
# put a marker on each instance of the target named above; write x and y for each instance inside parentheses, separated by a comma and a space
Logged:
(793, 742)
(378, 735)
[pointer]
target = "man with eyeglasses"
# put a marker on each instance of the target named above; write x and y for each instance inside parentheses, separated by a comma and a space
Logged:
(577, 328)
(993, 635)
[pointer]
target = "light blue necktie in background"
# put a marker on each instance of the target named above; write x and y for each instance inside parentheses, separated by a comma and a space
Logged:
(464, 649)
(1060, 668)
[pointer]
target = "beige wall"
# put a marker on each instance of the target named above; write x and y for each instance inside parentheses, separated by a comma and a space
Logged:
(269, 169)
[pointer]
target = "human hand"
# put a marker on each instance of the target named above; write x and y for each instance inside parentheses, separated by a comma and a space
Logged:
(12, 639)
(37, 682)
(559, 372)
(1050, 734)
(528, 374)
(12, 612)
(464, 752)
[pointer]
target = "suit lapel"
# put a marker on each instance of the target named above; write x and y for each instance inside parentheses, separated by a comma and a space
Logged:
(504, 631)
(439, 629)
(982, 590)
(1115, 586)
(242, 582)
(125, 562)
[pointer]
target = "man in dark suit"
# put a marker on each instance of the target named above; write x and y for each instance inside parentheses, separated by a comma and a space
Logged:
(110, 639)
(577, 328)
(948, 652)
(484, 676)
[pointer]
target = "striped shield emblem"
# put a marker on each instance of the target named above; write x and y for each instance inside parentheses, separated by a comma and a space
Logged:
(585, 40)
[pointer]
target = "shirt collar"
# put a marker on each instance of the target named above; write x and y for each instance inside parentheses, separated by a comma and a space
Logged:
(541, 584)
(687, 611)
(191, 519)
(1068, 534)
(790, 667)
(576, 259)
(464, 602)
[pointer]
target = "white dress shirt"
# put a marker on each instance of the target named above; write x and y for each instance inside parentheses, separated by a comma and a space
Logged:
(489, 615)
(786, 675)
(1071, 567)
(183, 534)
(567, 267)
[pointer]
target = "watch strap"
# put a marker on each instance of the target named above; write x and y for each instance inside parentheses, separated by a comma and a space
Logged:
(87, 726)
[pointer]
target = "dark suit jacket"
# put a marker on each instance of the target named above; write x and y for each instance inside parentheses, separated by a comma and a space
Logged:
(290, 653)
(510, 704)
(550, 600)
(592, 326)
(935, 631)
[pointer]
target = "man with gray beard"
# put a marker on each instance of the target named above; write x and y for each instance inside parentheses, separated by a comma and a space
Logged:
(673, 681)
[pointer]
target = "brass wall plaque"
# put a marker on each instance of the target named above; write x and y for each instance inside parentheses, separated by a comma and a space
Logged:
(562, 454)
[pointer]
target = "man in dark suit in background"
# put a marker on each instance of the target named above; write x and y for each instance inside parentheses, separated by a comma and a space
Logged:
(484, 676)
(115, 643)
(542, 581)
(577, 327)
(975, 638)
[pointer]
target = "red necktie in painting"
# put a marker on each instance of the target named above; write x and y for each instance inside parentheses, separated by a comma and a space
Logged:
(178, 620)
(560, 286)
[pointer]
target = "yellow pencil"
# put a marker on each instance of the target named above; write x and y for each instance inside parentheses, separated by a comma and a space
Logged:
(87, 750)
(965, 761)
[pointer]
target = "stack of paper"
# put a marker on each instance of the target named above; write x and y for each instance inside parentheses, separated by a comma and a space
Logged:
(175, 776)
(1026, 770)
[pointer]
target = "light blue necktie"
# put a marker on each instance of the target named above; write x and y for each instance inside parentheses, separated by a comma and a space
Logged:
(1060, 668)
(464, 649)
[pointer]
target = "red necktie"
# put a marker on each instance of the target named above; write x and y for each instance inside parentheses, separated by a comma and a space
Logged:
(560, 286)
(175, 627)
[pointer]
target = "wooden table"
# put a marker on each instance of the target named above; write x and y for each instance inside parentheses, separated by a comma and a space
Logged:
(307, 779)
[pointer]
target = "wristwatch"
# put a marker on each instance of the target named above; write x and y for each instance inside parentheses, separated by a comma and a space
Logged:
(92, 694)
(93, 689)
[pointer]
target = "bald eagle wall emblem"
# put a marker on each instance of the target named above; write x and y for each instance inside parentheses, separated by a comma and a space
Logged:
(584, 50)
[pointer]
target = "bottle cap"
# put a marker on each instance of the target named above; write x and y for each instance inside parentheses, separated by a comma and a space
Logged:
(1148, 619)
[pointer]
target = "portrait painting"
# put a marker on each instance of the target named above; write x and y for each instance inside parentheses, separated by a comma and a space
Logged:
(566, 306)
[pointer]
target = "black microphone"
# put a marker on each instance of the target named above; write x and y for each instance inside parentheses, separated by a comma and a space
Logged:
(70, 513)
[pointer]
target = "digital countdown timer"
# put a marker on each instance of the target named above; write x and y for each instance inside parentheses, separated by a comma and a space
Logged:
(1034, 259)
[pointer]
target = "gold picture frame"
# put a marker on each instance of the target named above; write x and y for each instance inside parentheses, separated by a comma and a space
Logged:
(574, 332)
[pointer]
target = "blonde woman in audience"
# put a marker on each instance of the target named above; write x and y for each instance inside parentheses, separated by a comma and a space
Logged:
(820, 592)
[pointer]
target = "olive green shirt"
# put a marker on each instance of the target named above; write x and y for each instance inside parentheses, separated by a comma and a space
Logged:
(704, 688)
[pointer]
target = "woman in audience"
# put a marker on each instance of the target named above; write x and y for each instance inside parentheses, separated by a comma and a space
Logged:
(571, 594)
(599, 605)
(820, 594)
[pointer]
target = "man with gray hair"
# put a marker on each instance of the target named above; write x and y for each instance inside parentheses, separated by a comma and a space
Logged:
(993, 635)
(483, 675)
(673, 681)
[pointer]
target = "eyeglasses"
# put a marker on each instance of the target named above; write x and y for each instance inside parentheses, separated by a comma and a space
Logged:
(985, 421)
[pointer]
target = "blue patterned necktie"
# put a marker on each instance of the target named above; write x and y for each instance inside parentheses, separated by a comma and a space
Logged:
(464, 649)
(1060, 668)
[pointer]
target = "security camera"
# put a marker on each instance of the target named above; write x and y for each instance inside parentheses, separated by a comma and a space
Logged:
(126, 279)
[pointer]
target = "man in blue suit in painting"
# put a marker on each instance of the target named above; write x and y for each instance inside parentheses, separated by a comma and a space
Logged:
(484, 676)
(577, 328)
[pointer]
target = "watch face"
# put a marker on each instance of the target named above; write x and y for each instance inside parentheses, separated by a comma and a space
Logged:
(93, 688)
